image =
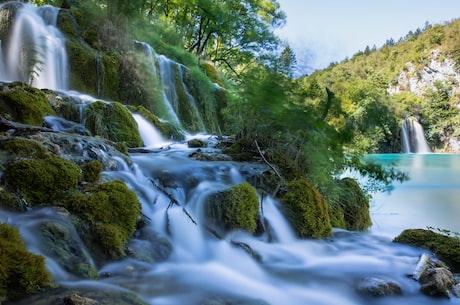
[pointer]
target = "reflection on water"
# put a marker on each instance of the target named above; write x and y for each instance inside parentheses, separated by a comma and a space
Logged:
(431, 197)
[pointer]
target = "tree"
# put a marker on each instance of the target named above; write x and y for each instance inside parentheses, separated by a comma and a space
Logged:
(287, 62)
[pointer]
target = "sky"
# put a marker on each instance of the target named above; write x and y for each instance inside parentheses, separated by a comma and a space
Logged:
(326, 31)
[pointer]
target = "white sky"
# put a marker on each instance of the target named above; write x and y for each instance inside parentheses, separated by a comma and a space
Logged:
(323, 31)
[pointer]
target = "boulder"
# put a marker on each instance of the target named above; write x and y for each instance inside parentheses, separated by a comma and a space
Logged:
(377, 287)
(436, 281)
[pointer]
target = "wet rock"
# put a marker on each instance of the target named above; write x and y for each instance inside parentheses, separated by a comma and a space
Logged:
(456, 290)
(209, 155)
(436, 281)
(75, 299)
(377, 287)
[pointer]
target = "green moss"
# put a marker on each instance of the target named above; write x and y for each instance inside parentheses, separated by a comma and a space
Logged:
(23, 148)
(285, 164)
(41, 180)
(241, 150)
(91, 171)
(211, 72)
(352, 206)
(112, 211)
(111, 79)
(445, 247)
(194, 143)
(234, 208)
(25, 104)
(66, 24)
(307, 210)
(21, 272)
(11, 201)
(82, 63)
(114, 122)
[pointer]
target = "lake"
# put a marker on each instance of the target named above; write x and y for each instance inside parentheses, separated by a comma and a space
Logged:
(431, 196)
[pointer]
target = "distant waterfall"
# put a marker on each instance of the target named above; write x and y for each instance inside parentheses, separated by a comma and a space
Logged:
(35, 52)
(413, 137)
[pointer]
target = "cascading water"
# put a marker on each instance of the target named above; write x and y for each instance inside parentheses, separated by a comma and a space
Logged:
(413, 137)
(151, 137)
(35, 52)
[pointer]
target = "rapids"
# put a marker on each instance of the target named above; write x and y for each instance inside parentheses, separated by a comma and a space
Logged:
(287, 270)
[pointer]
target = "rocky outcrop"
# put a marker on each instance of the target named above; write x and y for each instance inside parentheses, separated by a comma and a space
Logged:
(417, 80)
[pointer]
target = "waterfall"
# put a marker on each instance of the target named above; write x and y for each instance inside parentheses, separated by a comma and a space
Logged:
(413, 137)
(35, 52)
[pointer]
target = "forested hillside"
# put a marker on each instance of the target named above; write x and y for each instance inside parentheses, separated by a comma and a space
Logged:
(377, 88)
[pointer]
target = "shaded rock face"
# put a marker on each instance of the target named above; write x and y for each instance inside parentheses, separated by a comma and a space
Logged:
(7, 15)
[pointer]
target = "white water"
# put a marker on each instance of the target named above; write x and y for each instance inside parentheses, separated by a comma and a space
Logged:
(36, 51)
(151, 136)
(413, 137)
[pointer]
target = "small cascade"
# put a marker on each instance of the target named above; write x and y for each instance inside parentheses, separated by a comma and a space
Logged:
(413, 137)
(99, 74)
(35, 52)
(149, 134)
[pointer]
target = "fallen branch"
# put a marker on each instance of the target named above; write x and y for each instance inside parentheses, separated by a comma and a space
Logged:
(266, 161)
(6, 125)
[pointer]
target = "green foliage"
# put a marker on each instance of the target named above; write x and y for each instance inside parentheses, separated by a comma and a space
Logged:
(24, 104)
(306, 210)
(112, 211)
(353, 204)
(234, 208)
(21, 272)
(113, 121)
(446, 248)
(40, 181)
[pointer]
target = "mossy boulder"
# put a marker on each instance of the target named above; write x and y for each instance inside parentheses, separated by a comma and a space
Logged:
(40, 181)
(306, 210)
(196, 143)
(63, 245)
(24, 104)
(21, 272)
(234, 208)
(113, 121)
(91, 171)
(111, 211)
(11, 201)
(446, 248)
(20, 148)
(82, 63)
(351, 211)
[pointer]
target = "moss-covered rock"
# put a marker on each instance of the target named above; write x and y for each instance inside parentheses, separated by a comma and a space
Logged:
(196, 143)
(21, 272)
(111, 211)
(211, 72)
(114, 122)
(234, 208)
(446, 248)
(24, 104)
(306, 210)
(17, 148)
(41, 180)
(351, 211)
(91, 171)
(66, 250)
(11, 201)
